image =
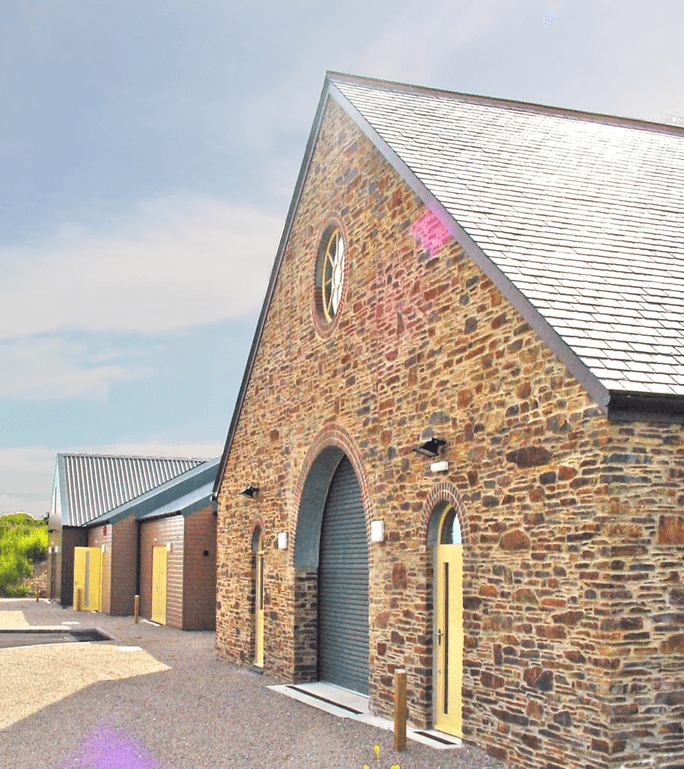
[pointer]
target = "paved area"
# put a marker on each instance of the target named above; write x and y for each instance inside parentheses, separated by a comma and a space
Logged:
(13, 620)
(171, 704)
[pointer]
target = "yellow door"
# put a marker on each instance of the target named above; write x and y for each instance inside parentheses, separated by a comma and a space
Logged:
(259, 606)
(87, 578)
(159, 584)
(448, 643)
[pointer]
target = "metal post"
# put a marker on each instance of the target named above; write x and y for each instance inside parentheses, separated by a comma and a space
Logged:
(136, 609)
(79, 599)
(400, 710)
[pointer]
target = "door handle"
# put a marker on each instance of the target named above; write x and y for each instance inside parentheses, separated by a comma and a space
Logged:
(439, 637)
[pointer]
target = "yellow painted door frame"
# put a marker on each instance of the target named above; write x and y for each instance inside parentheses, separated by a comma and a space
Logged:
(159, 561)
(259, 605)
(448, 642)
(88, 578)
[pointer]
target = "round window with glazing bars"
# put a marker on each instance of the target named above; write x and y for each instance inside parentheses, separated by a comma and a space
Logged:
(330, 277)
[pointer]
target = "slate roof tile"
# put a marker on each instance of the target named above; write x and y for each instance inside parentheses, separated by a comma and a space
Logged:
(584, 214)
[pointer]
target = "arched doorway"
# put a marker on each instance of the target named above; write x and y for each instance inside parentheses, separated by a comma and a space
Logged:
(331, 576)
(343, 585)
(448, 633)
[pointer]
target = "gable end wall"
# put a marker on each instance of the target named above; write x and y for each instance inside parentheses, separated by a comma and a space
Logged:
(574, 526)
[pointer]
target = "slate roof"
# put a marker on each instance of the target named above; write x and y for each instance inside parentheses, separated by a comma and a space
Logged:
(184, 494)
(89, 485)
(583, 214)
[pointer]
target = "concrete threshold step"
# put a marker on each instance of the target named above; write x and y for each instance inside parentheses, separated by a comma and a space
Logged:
(346, 704)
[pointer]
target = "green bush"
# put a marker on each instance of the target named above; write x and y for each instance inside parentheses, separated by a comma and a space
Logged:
(23, 541)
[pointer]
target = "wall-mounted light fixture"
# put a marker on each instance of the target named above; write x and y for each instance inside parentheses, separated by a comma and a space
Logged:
(377, 531)
(431, 447)
(250, 491)
(169, 547)
(282, 541)
(104, 548)
(439, 467)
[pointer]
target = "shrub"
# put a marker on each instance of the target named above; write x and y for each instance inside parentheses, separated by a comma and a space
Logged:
(23, 541)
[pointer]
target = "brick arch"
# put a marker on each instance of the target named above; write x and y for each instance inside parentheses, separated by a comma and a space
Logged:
(310, 493)
(441, 496)
(332, 437)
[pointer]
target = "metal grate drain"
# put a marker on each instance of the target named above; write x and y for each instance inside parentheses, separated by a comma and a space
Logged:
(89, 634)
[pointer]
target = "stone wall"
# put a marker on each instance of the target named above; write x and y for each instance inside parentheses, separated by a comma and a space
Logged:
(572, 526)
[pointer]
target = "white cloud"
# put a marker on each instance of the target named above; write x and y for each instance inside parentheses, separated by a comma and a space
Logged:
(49, 368)
(176, 262)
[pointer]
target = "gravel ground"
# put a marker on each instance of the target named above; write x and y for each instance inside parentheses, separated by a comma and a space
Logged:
(201, 713)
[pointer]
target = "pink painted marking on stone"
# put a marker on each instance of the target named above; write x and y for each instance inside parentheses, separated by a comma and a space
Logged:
(108, 748)
(430, 232)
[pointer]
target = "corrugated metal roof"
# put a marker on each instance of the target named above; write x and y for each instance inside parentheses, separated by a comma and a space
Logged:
(183, 494)
(92, 484)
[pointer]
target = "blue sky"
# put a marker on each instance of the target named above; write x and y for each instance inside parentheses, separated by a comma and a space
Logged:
(148, 152)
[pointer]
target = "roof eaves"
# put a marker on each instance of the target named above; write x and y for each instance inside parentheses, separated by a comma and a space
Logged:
(596, 390)
(641, 407)
(299, 186)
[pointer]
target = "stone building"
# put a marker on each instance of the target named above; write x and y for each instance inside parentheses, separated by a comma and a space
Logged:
(459, 435)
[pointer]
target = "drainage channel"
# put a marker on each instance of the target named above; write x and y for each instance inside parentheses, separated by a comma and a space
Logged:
(33, 636)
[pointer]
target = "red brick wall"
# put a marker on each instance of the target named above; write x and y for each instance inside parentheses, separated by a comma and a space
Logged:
(574, 527)
(124, 566)
(97, 538)
(71, 537)
(162, 531)
(199, 571)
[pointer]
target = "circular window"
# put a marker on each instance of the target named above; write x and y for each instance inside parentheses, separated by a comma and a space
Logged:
(330, 272)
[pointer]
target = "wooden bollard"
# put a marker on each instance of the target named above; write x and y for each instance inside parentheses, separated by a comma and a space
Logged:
(136, 609)
(400, 710)
(79, 599)
(37, 593)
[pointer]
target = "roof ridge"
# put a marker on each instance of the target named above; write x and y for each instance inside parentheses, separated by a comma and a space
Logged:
(133, 456)
(532, 107)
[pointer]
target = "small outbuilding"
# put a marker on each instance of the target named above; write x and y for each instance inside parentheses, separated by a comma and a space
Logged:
(87, 487)
(163, 548)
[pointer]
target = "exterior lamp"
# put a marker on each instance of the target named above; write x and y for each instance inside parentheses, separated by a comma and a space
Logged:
(431, 447)
(250, 491)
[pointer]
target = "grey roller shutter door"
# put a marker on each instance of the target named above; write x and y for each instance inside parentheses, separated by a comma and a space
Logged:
(343, 585)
